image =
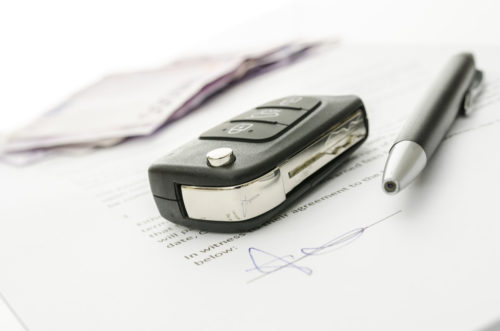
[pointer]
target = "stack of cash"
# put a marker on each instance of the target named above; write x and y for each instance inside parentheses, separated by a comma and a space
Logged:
(135, 104)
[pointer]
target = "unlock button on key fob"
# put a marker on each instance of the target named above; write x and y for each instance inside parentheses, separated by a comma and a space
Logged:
(293, 102)
(271, 115)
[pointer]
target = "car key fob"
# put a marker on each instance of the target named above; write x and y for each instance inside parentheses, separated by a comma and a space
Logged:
(243, 172)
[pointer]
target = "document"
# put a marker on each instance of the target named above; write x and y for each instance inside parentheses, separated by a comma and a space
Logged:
(82, 246)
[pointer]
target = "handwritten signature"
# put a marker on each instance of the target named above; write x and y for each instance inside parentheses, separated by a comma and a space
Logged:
(272, 263)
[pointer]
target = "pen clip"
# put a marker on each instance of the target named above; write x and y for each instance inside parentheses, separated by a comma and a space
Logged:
(473, 92)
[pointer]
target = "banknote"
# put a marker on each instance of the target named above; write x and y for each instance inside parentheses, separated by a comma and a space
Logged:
(139, 103)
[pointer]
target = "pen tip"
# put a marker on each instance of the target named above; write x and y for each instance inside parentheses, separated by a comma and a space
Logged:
(391, 186)
(406, 160)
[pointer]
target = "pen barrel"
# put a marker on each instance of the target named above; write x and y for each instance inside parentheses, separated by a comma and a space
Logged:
(434, 116)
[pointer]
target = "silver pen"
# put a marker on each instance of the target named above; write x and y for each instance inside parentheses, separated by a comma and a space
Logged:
(452, 94)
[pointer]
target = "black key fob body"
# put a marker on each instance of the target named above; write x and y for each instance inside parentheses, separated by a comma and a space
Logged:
(243, 172)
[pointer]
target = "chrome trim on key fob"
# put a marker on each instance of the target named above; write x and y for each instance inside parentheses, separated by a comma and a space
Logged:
(245, 201)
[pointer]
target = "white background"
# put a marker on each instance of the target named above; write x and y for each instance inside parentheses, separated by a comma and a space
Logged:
(49, 49)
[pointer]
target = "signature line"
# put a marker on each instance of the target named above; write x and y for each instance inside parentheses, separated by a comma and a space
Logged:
(292, 263)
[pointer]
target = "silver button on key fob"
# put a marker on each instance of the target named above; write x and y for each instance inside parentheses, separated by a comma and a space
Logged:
(243, 172)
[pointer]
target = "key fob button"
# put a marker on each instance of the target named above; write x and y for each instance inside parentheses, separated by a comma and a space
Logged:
(271, 115)
(220, 157)
(244, 131)
(293, 102)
